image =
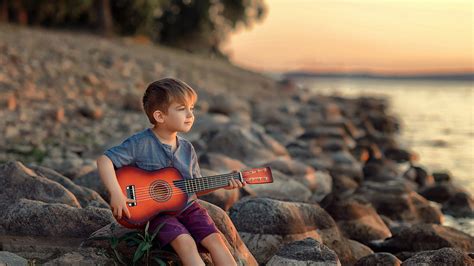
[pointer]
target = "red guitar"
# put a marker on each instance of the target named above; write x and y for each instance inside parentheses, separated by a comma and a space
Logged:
(166, 190)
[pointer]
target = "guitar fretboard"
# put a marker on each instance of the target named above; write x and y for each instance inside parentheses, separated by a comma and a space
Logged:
(205, 183)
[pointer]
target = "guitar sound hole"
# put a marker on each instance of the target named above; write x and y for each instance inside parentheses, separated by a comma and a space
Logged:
(160, 191)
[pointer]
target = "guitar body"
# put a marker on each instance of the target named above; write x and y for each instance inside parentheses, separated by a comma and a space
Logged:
(154, 192)
(166, 190)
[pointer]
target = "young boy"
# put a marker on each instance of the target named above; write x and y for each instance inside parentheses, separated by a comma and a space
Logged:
(169, 105)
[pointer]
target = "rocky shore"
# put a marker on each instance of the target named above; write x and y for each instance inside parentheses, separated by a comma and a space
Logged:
(345, 192)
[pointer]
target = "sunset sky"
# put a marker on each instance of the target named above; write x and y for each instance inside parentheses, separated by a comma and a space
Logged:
(398, 36)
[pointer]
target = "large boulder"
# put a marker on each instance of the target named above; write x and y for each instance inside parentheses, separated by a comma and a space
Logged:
(85, 196)
(266, 225)
(230, 235)
(36, 205)
(305, 252)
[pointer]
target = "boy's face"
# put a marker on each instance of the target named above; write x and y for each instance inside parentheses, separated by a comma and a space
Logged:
(179, 118)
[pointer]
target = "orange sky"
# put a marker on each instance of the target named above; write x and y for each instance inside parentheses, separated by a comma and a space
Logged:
(398, 36)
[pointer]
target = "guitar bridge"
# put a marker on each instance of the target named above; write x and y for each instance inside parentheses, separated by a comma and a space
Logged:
(131, 195)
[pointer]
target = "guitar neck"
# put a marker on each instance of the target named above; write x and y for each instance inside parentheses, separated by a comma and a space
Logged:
(210, 182)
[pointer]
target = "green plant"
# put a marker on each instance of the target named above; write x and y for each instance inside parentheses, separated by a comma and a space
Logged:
(144, 243)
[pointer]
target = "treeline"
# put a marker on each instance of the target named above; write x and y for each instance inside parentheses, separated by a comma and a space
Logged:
(194, 25)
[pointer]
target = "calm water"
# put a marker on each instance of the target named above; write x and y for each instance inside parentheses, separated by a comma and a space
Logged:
(437, 119)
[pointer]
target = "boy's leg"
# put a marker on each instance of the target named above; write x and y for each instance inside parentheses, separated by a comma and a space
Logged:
(187, 251)
(202, 228)
(219, 252)
(174, 233)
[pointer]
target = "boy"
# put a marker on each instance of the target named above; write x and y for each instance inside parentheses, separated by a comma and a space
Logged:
(169, 105)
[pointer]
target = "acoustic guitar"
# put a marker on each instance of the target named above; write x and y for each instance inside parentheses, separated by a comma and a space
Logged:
(165, 190)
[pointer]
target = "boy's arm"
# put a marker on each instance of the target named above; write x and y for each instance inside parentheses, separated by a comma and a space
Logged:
(118, 202)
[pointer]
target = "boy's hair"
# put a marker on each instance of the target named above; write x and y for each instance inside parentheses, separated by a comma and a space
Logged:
(160, 94)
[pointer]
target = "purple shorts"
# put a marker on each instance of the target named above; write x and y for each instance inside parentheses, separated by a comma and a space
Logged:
(194, 221)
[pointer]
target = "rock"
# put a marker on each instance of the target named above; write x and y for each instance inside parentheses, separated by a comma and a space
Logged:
(396, 200)
(265, 225)
(381, 258)
(85, 196)
(358, 220)
(282, 188)
(421, 237)
(319, 182)
(92, 180)
(220, 163)
(358, 249)
(443, 256)
(8, 258)
(460, 204)
(440, 192)
(36, 218)
(35, 205)
(250, 146)
(304, 252)
(18, 181)
(82, 256)
(440, 177)
(223, 104)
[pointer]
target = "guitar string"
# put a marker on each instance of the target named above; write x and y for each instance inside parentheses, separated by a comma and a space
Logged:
(178, 189)
(189, 185)
(189, 182)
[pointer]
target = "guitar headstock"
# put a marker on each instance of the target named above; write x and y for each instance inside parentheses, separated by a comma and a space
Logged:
(258, 175)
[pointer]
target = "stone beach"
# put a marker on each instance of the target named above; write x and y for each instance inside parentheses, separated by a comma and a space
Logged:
(344, 191)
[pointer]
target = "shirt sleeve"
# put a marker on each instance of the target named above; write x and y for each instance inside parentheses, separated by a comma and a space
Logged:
(196, 171)
(123, 154)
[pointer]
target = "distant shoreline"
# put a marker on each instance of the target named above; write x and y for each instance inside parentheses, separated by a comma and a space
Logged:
(358, 75)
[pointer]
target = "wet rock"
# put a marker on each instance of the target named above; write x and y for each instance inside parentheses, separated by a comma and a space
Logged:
(304, 252)
(440, 192)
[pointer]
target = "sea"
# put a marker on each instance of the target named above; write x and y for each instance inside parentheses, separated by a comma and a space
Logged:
(436, 117)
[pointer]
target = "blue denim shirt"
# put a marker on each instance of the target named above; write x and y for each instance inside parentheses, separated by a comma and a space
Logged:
(144, 150)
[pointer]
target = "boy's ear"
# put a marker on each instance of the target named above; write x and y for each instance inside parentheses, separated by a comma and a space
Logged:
(158, 116)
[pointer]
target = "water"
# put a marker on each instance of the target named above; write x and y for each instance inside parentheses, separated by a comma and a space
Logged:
(437, 119)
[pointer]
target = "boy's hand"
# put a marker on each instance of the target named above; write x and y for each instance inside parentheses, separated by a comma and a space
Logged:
(235, 183)
(118, 204)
